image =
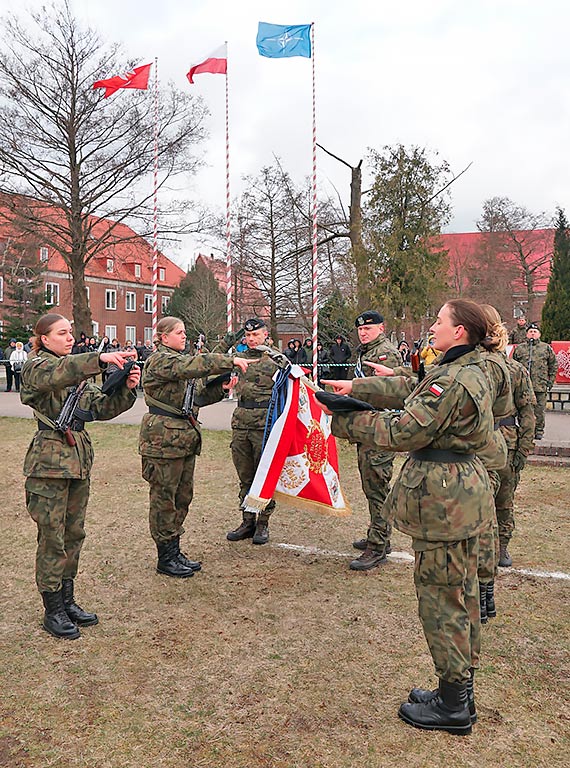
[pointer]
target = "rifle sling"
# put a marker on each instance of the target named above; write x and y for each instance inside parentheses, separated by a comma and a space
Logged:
(168, 410)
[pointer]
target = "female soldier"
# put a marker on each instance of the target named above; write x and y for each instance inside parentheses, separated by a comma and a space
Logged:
(170, 437)
(442, 498)
(57, 466)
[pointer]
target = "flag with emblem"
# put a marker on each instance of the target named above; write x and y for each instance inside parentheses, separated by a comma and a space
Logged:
(299, 462)
(278, 41)
(138, 78)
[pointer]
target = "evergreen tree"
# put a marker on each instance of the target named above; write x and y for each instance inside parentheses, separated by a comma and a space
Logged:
(200, 304)
(556, 310)
(23, 277)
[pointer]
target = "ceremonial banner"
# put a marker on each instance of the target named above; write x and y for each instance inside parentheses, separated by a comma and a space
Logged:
(299, 463)
(562, 352)
(214, 64)
(138, 78)
(277, 41)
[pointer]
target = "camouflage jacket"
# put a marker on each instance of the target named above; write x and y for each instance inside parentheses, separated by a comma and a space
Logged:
(494, 455)
(254, 386)
(449, 410)
(520, 436)
(44, 387)
(517, 335)
(166, 373)
(540, 361)
(378, 351)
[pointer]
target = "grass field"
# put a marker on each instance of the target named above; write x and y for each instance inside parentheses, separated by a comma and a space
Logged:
(268, 658)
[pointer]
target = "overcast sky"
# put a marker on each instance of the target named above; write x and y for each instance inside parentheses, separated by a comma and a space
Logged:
(483, 82)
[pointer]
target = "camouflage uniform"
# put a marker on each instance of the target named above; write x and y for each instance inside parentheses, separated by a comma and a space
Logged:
(168, 444)
(519, 439)
(518, 334)
(57, 474)
(375, 466)
(540, 361)
(441, 500)
(253, 391)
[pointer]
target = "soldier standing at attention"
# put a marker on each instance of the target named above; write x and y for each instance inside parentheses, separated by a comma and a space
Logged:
(170, 439)
(518, 334)
(57, 466)
(375, 466)
(253, 389)
(540, 362)
(442, 499)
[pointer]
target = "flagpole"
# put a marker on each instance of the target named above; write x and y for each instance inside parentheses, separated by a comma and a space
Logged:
(229, 280)
(155, 194)
(315, 264)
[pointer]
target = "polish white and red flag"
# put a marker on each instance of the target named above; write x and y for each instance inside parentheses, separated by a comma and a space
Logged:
(214, 64)
(299, 463)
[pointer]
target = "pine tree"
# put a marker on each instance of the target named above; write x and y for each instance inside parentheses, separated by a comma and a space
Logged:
(556, 310)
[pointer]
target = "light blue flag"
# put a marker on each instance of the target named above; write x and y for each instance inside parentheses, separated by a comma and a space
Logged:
(277, 41)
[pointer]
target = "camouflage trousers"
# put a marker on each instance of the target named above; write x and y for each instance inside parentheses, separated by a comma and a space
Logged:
(246, 452)
(375, 469)
(505, 500)
(445, 576)
(171, 488)
(57, 506)
(489, 539)
(539, 410)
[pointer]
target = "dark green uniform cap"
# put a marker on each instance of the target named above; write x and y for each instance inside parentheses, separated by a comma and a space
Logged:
(254, 324)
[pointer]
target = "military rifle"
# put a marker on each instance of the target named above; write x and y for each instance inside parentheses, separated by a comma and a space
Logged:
(67, 414)
(188, 403)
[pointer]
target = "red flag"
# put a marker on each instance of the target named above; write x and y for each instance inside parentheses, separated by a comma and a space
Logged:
(299, 463)
(138, 78)
(216, 64)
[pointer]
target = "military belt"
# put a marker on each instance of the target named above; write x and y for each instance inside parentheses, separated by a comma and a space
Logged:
(441, 456)
(161, 412)
(253, 404)
(76, 426)
(508, 421)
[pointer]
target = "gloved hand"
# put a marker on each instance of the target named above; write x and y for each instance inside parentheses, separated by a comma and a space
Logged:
(518, 462)
(231, 339)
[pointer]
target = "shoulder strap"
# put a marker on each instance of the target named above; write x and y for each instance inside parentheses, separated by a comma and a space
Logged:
(165, 406)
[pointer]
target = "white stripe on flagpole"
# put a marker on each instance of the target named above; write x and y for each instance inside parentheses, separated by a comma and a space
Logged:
(229, 277)
(155, 232)
(315, 263)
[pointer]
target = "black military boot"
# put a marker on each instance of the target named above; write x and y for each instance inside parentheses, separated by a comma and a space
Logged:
(74, 611)
(447, 711)
(483, 602)
(505, 560)
(195, 565)
(261, 534)
(168, 562)
(370, 558)
(490, 599)
(245, 530)
(363, 543)
(423, 695)
(56, 621)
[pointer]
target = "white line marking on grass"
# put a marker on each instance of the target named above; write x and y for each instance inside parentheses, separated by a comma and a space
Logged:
(405, 557)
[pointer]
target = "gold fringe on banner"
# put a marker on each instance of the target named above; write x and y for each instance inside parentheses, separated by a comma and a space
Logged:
(312, 506)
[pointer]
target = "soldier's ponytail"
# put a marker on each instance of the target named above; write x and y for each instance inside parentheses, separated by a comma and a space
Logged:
(166, 325)
(497, 336)
(42, 328)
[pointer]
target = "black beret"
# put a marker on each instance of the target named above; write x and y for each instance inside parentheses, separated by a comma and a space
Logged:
(533, 327)
(370, 317)
(254, 324)
(117, 378)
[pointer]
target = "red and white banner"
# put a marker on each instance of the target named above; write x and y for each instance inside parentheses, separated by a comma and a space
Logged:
(214, 64)
(562, 352)
(138, 79)
(299, 463)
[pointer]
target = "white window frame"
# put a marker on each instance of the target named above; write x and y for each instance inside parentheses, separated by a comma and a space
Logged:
(44, 253)
(111, 332)
(148, 303)
(147, 334)
(110, 265)
(52, 292)
(1, 288)
(95, 327)
(131, 334)
(87, 293)
(162, 274)
(110, 298)
(138, 270)
(164, 302)
(130, 301)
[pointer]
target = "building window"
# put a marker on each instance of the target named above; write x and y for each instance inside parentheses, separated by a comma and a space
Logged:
(110, 265)
(44, 254)
(148, 334)
(131, 301)
(164, 302)
(52, 294)
(162, 274)
(137, 270)
(131, 333)
(95, 328)
(1, 289)
(111, 332)
(148, 302)
(110, 299)
(87, 293)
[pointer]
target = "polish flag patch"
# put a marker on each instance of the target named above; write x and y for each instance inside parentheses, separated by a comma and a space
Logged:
(436, 390)
(383, 357)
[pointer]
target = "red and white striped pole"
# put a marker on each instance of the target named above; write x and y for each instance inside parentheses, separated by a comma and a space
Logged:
(229, 276)
(155, 232)
(315, 262)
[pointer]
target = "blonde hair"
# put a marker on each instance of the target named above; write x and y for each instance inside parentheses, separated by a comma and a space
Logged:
(42, 328)
(166, 325)
(497, 335)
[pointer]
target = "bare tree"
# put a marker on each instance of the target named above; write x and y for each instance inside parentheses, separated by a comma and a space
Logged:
(69, 157)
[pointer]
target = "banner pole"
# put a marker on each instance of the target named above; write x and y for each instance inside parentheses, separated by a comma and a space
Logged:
(315, 312)
(155, 206)
(229, 277)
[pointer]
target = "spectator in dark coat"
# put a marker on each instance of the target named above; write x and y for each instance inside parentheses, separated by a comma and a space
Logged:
(340, 353)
